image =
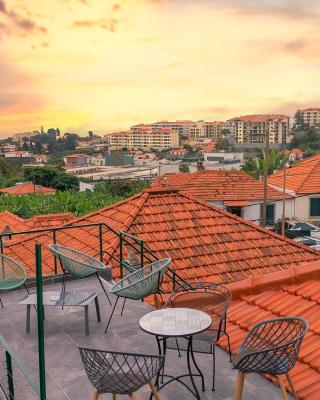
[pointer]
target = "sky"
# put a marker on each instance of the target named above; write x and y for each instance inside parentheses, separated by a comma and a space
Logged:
(104, 65)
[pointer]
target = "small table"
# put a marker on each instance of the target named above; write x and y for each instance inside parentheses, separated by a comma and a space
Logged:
(177, 322)
(82, 299)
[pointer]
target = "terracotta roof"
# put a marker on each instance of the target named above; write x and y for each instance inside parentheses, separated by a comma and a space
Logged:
(18, 224)
(205, 242)
(260, 118)
(237, 203)
(218, 185)
(27, 188)
(13, 222)
(311, 109)
(292, 292)
(302, 178)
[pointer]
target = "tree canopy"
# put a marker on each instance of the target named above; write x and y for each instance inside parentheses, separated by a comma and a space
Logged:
(51, 177)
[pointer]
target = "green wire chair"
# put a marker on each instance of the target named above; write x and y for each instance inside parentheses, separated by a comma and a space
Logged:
(12, 275)
(140, 284)
(78, 264)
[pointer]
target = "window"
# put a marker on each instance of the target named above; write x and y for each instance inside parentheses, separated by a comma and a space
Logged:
(315, 207)
(270, 214)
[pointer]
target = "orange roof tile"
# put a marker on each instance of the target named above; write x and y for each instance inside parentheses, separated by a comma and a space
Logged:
(27, 188)
(205, 242)
(218, 185)
(12, 221)
(291, 292)
(237, 203)
(302, 178)
(260, 118)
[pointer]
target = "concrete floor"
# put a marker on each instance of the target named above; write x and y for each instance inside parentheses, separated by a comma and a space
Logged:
(64, 331)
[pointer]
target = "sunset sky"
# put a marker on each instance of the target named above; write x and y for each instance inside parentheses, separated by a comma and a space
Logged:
(104, 65)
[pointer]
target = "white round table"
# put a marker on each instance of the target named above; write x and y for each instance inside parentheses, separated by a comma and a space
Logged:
(177, 322)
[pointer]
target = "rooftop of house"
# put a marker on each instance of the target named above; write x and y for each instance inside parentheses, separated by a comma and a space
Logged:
(204, 242)
(14, 223)
(64, 332)
(295, 291)
(311, 109)
(301, 178)
(20, 189)
(219, 185)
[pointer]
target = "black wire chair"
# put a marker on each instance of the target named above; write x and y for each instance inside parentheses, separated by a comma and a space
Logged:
(271, 347)
(120, 373)
(213, 299)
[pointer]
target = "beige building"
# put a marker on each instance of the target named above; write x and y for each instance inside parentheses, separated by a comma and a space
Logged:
(193, 129)
(311, 116)
(254, 128)
(145, 137)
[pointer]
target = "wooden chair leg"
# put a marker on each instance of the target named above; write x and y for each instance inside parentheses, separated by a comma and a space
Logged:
(282, 388)
(96, 394)
(154, 390)
(114, 396)
(293, 390)
(133, 397)
(239, 385)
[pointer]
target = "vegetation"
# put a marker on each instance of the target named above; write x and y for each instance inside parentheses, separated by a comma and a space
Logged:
(307, 140)
(184, 168)
(51, 177)
(222, 144)
(79, 203)
(255, 166)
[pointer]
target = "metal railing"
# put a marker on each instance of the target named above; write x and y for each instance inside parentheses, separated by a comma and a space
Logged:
(125, 239)
(18, 383)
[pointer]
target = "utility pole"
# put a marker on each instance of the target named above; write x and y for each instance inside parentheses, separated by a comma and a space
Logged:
(283, 222)
(265, 179)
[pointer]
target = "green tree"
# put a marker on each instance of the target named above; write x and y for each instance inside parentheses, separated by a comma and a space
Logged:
(298, 121)
(255, 166)
(188, 148)
(51, 177)
(222, 144)
(184, 168)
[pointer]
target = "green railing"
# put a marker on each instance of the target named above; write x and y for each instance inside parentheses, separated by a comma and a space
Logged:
(125, 239)
(18, 383)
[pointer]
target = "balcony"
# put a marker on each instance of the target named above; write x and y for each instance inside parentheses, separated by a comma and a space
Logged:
(64, 332)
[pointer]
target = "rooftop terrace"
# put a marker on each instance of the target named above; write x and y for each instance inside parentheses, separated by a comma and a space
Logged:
(64, 331)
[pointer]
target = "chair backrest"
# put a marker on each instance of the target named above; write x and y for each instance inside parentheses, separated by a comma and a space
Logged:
(143, 282)
(121, 373)
(272, 346)
(12, 274)
(209, 297)
(75, 262)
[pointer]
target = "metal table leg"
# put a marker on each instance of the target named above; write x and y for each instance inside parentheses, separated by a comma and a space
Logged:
(28, 318)
(96, 302)
(86, 319)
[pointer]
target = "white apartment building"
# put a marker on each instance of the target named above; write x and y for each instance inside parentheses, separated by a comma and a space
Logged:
(311, 116)
(254, 128)
(145, 137)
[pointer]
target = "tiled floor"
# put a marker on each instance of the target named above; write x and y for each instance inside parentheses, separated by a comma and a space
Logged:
(64, 331)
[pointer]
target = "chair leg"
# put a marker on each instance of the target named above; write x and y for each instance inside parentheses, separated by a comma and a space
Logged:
(133, 396)
(229, 347)
(213, 367)
(96, 394)
(282, 388)
(114, 396)
(103, 288)
(154, 390)
(239, 385)
(110, 318)
(293, 390)
(123, 305)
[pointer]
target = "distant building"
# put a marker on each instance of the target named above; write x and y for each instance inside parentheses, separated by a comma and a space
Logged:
(311, 116)
(76, 160)
(18, 137)
(193, 129)
(145, 137)
(99, 160)
(23, 188)
(254, 128)
(18, 154)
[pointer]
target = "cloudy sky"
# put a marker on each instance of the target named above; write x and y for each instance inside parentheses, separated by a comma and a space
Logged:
(103, 65)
